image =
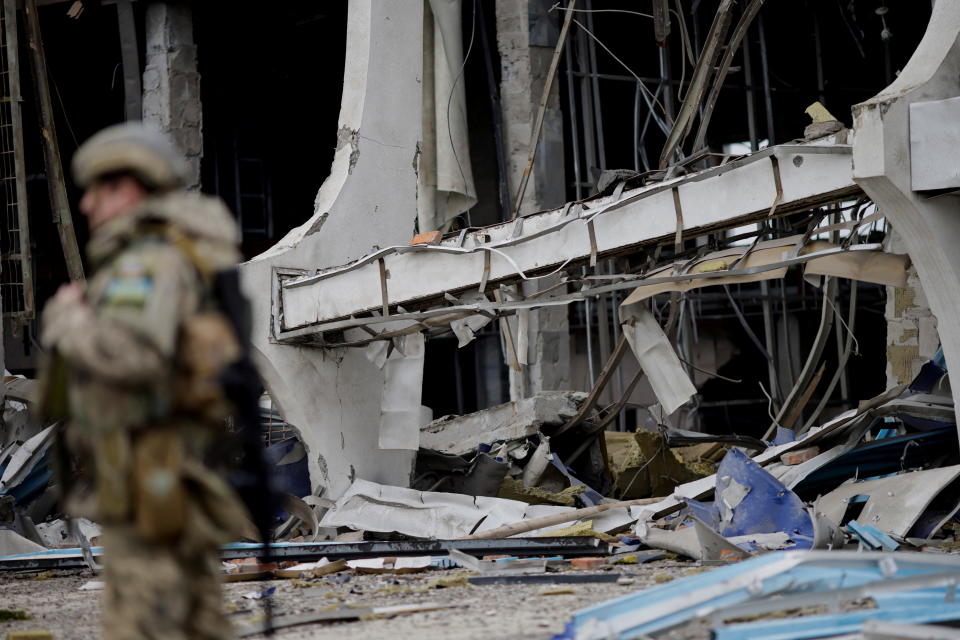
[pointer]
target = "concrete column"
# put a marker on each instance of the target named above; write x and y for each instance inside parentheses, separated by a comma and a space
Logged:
(526, 37)
(333, 396)
(882, 165)
(912, 337)
(171, 84)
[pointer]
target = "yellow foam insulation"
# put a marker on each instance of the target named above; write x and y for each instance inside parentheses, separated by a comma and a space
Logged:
(819, 113)
(514, 490)
(643, 466)
(584, 528)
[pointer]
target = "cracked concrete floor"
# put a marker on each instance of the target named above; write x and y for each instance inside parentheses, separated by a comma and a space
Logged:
(56, 604)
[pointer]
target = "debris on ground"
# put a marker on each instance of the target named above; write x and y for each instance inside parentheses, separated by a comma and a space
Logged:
(778, 520)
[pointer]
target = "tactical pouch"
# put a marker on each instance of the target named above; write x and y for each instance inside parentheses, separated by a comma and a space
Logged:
(207, 346)
(158, 484)
(112, 459)
(53, 402)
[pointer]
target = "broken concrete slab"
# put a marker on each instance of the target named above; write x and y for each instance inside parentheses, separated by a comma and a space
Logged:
(463, 434)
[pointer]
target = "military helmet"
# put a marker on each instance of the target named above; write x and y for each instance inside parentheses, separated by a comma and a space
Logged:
(130, 147)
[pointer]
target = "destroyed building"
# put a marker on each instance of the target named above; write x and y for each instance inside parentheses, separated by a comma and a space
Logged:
(512, 258)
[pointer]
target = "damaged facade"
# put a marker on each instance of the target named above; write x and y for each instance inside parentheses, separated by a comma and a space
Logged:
(532, 310)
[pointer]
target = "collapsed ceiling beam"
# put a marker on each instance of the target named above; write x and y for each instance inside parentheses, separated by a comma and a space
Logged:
(772, 182)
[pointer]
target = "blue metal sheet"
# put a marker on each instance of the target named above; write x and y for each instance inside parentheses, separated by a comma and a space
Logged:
(783, 436)
(918, 611)
(930, 374)
(789, 572)
(872, 538)
(767, 507)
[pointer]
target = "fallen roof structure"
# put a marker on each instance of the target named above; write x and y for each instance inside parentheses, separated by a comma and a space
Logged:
(770, 183)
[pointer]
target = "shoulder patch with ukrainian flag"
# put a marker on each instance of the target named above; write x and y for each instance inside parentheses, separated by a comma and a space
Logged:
(131, 285)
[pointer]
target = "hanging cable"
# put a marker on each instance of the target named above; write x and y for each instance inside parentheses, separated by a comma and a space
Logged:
(649, 96)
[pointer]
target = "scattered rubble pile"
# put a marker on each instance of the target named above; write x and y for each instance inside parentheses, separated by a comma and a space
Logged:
(526, 493)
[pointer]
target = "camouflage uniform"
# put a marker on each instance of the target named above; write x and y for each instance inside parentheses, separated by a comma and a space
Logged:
(164, 513)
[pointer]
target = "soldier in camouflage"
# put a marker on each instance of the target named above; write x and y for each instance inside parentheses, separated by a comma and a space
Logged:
(140, 349)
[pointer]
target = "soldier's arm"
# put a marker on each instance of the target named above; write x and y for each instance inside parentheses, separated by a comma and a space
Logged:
(130, 339)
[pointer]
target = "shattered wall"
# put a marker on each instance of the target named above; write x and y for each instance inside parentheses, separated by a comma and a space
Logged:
(912, 337)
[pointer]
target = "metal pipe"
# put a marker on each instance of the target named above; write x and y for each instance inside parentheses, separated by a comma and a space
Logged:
(589, 151)
(636, 128)
(787, 334)
(764, 351)
(595, 81)
(769, 338)
(603, 321)
(765, 68)
(589, 148)
(572, 102)
(751, 98)
(615, 299)
(841, 373)
(806, 374)
(458, 380)
(497, 114)
(665, 82)
(587, 322)
(818, 54)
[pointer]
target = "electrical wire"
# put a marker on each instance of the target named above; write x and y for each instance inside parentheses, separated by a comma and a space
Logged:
(769, 405)
(63, 109)
(650, 95)
(713, 374)
(636, 13)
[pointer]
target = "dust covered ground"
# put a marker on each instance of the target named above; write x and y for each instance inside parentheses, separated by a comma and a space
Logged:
(54, 602)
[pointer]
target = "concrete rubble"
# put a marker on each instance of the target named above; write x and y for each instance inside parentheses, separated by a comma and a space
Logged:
(870, 485)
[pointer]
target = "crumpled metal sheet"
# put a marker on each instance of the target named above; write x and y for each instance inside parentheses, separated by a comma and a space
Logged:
(895, 503)
(748, 500)
(656, 356)
(23, 461)
(369, 506)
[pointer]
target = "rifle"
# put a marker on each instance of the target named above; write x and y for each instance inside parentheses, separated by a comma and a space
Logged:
(243, 388)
